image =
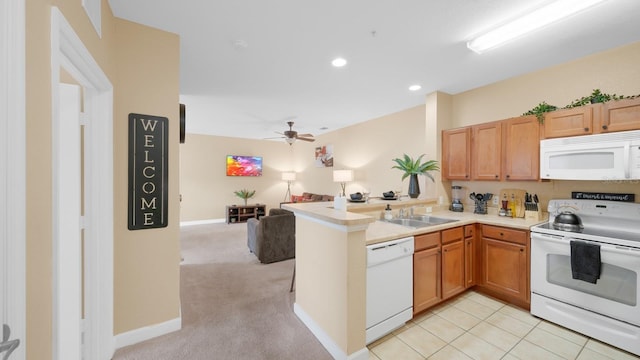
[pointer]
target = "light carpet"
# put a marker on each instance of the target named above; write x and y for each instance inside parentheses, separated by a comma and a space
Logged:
(233, 307)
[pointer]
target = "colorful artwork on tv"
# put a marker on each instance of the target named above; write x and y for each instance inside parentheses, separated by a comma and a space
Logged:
(238, 165)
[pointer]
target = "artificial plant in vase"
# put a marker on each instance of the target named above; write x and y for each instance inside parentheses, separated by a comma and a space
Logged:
(245, 194)
(412, 168)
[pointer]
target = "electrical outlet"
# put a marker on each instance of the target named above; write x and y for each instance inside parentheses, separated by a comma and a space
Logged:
(495, 200)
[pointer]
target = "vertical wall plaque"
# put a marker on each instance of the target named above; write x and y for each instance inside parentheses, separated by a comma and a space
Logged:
(148, 171)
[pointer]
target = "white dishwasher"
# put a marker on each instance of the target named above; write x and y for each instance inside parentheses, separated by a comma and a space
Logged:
(389, 286)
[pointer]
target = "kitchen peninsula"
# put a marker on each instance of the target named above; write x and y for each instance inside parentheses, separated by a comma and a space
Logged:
(331, 264)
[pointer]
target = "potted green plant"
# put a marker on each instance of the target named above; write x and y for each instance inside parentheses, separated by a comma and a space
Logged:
(412, 168)
(245, 194)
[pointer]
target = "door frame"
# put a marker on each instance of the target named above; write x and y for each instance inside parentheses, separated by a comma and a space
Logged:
(13, 168)
(69, 53)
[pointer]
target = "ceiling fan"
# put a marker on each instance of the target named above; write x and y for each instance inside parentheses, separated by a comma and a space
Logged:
(290, 136)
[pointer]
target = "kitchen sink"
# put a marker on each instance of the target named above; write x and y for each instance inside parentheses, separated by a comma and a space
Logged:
(431, 219)
(420, 221)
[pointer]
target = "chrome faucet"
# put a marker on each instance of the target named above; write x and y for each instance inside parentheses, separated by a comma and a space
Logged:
(401, 213)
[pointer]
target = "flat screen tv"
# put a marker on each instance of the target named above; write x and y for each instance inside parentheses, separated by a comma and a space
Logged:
(239, 165)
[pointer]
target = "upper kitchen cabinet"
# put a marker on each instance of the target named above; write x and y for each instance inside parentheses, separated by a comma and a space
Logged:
(570, 122)
(456, 154)
(620, 115)
(522, 149)
(486, 154)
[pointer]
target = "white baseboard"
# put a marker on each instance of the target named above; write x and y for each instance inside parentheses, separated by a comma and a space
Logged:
(202, 222)
(326, 340)
(147, 332)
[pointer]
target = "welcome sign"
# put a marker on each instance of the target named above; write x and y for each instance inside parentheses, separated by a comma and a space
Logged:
(148, 171)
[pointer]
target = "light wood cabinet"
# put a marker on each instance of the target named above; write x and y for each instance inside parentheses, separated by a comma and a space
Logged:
(619, 115)
(427, 290)
(456, 154)
(505, 264)
(470, 256)
(570, 122)
(522, 149)
(486, 155)
(453, 262)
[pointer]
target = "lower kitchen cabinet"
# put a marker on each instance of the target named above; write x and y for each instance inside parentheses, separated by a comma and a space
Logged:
(426, 272)
(505, 264)
(453, 262)
(470, 256)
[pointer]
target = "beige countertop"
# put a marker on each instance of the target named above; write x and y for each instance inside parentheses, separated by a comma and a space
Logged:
(378, 231)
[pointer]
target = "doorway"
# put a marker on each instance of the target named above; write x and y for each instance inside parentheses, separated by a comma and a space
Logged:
(83, 200)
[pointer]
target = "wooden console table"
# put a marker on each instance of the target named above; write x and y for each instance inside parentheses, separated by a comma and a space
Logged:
(240, 213)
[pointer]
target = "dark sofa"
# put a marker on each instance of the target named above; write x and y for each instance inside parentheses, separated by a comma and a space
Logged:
(273, 237)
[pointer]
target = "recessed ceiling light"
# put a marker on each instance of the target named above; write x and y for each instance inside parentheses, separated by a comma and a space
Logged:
(415, 87)
(339, 62)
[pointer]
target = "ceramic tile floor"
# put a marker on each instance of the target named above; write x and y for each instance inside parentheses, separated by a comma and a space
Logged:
(474, 326)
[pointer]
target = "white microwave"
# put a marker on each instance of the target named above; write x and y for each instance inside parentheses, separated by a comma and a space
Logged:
(610, 156)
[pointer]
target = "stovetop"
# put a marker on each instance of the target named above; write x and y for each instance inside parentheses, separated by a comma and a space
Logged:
(604, 221)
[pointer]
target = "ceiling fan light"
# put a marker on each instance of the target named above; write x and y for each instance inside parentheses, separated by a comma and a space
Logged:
(290, 140)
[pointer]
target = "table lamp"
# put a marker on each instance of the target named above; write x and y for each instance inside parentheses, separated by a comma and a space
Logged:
(342, 176)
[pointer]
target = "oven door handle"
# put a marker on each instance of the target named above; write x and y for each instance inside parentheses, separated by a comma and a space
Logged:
(627, 168)
(560, 240)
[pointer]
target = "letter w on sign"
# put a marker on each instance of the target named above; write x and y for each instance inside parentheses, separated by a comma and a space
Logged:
(148, 171)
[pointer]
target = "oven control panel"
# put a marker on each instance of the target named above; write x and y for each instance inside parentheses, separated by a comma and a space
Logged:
(595, 209)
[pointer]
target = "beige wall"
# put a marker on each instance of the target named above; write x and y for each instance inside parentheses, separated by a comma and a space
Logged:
(147, 262)
(159, 283)
(367, 148)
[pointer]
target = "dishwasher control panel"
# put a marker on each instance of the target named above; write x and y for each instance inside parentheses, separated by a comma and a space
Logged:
(389, 250)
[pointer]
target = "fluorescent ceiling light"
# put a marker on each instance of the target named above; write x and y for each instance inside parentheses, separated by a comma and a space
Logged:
(415, 87)
(339, 62)
(529, 22)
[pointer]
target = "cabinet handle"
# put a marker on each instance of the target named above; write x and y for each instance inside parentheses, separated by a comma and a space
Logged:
(497, 176)
(521, 250)
(501, 234)
(507, 176)
(604, 127)
(586, 129)
(466, 176)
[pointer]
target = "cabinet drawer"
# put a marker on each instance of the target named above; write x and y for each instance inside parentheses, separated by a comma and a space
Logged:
(425, 241)
(505, 234)
(469, 231)
(451, 235)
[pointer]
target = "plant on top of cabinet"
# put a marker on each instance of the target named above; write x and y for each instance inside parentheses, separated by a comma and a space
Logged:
(245, 194)
(540, 109)
(412, 168)
(595, 97)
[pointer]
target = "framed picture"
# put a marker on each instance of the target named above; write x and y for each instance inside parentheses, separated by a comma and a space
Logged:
(324, 156)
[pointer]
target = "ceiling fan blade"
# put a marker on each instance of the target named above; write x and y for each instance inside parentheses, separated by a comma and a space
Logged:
(305, 135)
(306, 139)
(277, 137)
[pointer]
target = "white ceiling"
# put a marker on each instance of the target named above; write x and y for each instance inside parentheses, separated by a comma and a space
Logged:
(249, 66)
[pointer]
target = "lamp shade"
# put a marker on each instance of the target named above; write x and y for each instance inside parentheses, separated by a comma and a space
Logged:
(289, 176)
(342, 175)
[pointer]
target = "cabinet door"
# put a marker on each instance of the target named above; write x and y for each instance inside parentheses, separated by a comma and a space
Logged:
(453, 271)
(486, 155)
(621, 115)
(569, 122)
(426, 279)
(456, 154)
(522, 149)
(470, 262)
(505, 268)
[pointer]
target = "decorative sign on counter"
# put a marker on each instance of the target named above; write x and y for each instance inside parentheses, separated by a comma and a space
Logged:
(603, 196)
(148, 171)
